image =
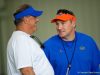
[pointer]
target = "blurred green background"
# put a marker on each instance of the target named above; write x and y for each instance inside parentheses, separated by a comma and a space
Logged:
(86, 11)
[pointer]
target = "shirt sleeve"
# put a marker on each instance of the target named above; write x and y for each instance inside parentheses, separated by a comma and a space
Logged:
(22, 53)
(96, 59)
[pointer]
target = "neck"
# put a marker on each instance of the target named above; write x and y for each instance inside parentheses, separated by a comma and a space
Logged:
(22, 29)
(70, 37)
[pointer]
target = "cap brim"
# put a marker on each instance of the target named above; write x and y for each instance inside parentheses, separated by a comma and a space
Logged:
(37, 13)
(54, 20)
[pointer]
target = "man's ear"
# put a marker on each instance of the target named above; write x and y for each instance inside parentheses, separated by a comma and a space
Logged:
(25, 20)
(74, 24)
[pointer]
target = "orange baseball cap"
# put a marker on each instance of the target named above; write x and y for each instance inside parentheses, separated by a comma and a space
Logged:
(64, 17)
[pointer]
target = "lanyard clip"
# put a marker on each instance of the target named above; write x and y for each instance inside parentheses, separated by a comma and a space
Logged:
(68, 69)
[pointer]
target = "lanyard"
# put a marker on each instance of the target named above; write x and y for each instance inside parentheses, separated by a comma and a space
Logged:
(37, 40)
(74, 49)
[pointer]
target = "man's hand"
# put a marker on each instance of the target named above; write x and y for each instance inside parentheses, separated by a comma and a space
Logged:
(27, 71)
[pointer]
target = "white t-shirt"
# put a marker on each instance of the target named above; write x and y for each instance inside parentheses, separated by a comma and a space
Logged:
(23, 51)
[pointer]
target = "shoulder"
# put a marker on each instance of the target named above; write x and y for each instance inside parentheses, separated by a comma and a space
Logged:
(82, 35)
(52, 40)
(18, 36)
(18, 39)
(84, 38)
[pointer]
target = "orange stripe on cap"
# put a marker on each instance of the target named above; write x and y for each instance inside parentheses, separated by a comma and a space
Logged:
(64, 17)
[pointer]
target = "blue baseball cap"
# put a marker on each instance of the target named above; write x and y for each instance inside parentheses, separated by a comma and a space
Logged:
(28, 12)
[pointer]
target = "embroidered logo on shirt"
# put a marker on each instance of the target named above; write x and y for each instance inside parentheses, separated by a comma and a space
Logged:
(82, 48)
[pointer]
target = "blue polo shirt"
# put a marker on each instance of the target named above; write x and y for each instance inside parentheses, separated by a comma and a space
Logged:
(86, 58)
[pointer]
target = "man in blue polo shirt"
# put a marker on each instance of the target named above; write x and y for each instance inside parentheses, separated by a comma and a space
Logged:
(71, 52)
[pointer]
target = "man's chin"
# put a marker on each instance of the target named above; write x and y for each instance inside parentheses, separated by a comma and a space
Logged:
(34, 30)
(62, 36)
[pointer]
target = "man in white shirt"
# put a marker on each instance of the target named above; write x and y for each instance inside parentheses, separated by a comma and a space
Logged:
(24, 55)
